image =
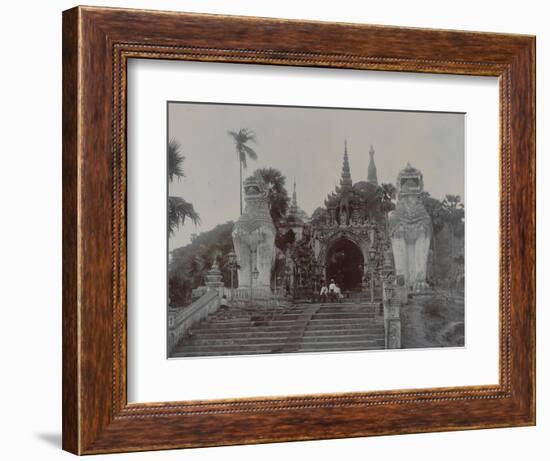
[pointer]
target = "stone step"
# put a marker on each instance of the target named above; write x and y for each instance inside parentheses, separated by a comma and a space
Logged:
(255, 321)
(376, 347)
(268, 347)
(313, 324)
(353, 316)
(235, 333)
(262, 315)
(370, 330)
(302, 307)
(317, 349)
(342, 305)
(364, 320)
(343, 326)
(211, 331)
(292, 313)
(211, 341)
(346, 307)
(281, 325)
(367, 313)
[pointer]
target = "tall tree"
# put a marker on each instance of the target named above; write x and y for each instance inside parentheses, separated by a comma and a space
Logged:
(385, 194)
(178, 208)
(453, 213)
(319, 215)
(434, 207)
(241, 138)
(175, 160)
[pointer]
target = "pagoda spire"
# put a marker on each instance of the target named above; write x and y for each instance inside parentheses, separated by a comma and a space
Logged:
(345, 180)
(294, 204)
(372, 177)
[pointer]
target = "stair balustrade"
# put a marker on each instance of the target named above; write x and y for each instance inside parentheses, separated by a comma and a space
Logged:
(180, 320)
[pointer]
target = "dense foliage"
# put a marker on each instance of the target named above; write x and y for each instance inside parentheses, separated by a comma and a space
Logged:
(277, 195)
(446, 265)
(373, 201)
(189, 264)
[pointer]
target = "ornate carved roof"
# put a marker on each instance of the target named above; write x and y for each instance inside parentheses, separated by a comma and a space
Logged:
(409, 181)
(295, 213)
(256, 213)
(409, 213)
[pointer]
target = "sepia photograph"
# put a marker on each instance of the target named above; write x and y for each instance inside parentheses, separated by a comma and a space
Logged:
(313, 229)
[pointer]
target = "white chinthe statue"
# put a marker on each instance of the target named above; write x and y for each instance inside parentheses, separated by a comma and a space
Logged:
(410, 230)
(254, 238)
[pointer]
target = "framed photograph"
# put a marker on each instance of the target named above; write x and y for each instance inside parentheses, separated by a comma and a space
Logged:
(281, 230)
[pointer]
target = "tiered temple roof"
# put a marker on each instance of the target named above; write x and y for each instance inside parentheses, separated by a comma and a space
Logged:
(345, 181)
(346, 184)
(353, 202)
(295, 213)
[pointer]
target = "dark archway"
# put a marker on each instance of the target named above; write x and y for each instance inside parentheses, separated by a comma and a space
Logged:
(344, 264)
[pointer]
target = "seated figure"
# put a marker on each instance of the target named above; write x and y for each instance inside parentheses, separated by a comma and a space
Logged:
(324, 293)
(338, 293)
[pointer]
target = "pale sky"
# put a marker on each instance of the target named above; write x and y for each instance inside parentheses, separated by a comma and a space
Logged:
(307, 144)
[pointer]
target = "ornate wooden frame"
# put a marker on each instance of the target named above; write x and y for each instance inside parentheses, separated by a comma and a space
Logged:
(97, 43)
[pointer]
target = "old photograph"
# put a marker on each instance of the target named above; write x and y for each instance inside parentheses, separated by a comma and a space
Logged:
(313, 229)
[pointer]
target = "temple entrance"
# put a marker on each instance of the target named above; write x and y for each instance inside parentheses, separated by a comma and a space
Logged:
(345, 264)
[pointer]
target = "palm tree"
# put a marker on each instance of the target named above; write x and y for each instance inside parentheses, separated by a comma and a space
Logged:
(175, 160)
(453, 212)
(385, 194)
(241, 138)
(178, 208)
(437, 214)
(277, 195)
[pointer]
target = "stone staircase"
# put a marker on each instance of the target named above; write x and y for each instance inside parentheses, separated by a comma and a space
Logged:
(326, 327)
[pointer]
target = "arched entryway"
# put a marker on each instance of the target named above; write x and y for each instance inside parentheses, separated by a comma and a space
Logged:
(344, 264)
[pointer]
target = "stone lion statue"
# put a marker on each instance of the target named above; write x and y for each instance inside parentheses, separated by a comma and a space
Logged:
(254, 236)
(410, 229)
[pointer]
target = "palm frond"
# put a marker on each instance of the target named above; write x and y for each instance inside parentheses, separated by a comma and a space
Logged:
(178, 210)
(251, 152)
(175, 160)
(242, 136)
(247, 135)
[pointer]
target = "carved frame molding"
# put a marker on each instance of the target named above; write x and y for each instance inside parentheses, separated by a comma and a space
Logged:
(97, 44)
